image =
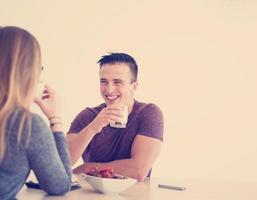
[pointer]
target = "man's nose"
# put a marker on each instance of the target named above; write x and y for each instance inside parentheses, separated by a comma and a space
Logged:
(110, 88)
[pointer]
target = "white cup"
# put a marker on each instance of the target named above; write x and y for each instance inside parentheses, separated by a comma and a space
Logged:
(123, 122)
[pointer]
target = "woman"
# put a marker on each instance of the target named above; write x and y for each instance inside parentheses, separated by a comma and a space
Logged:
(26, 142)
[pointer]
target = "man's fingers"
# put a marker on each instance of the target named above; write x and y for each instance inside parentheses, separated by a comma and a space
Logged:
(117, 113)
(114, 119)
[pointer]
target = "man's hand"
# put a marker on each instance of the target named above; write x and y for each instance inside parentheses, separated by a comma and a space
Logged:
(110, 114)
(78, 142)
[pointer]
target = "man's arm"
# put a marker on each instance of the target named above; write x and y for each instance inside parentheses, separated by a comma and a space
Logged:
(144, 152)
(78, 142)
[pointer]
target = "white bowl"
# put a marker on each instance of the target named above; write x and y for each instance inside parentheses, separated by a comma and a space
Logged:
(109, 185)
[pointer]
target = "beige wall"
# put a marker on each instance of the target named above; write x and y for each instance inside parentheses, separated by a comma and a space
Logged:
(197, 62)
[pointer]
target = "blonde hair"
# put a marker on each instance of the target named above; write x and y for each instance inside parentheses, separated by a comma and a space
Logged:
(20, 68)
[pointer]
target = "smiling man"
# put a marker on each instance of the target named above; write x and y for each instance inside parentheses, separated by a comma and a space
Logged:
(129, 151)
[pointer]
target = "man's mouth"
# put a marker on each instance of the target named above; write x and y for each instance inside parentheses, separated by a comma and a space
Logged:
(112, 97)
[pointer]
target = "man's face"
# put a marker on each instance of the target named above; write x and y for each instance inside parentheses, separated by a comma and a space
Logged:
(116, 84)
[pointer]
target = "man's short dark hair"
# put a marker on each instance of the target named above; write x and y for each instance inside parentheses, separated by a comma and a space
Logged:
(113, 58)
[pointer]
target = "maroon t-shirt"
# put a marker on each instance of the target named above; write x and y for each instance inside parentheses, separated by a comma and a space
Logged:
(115, 143)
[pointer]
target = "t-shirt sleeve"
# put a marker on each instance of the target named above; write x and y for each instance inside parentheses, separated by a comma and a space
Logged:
(81, 121)
(151, 122)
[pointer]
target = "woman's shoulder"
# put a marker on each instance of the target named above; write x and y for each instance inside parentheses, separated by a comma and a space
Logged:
(24, 124)
(27, 118)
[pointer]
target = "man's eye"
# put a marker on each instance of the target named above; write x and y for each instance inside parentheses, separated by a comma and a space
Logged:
(118, 82)
(103, 81)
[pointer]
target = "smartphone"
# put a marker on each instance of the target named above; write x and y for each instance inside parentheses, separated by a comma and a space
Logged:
(32, 185)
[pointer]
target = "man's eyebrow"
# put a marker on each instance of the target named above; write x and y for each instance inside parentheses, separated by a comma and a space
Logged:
(116, 79)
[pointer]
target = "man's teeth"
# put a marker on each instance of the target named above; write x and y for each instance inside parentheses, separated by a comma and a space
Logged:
(112, 97)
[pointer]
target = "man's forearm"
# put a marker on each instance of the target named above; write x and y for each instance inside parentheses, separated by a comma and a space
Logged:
(128, 167)
(78, 142)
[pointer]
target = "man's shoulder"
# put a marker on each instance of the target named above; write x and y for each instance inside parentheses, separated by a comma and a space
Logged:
(143, 107)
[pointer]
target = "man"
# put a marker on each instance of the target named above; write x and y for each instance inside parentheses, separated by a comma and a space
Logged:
(130, 151)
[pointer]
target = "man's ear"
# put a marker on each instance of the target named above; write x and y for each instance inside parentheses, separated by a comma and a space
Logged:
(135, 84)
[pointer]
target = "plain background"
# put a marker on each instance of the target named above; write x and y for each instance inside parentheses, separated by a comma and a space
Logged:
(197, 62)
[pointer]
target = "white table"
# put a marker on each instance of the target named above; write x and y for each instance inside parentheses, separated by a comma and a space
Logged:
(195, 190)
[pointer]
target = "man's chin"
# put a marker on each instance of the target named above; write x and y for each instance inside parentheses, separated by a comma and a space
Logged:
(112, 102)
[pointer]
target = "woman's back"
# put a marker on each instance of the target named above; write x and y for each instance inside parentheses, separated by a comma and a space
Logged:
(36, 151)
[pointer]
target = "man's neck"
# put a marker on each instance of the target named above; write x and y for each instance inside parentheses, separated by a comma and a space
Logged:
(130, 106)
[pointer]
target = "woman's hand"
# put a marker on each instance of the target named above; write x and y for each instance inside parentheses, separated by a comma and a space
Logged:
(49, 103)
